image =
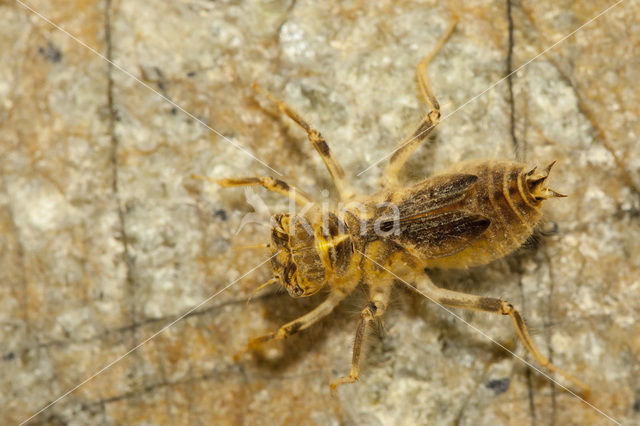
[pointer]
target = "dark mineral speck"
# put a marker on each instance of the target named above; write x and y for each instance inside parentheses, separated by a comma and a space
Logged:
(220, 214)
(498, 386)
(50, 53)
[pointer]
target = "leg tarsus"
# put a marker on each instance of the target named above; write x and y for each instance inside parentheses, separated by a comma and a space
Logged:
(408, 145)
(341, 381)
(267, 182)
(423, 80)
(527, 341)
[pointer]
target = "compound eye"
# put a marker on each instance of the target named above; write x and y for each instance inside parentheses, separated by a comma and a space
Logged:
(297, 291)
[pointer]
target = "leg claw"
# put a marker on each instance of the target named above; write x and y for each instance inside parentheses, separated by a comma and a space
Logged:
(341, 381)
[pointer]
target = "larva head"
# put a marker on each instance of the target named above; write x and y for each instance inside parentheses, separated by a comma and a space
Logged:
(536, 184)
(296, 264)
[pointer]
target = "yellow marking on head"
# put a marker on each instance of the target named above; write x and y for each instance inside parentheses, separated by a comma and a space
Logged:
(324, 245)
(323, 249)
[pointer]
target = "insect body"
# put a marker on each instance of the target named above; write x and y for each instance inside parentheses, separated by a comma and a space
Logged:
(475, 216)
(470, 215)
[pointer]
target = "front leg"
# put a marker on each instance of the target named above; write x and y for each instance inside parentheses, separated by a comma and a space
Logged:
(304, 322)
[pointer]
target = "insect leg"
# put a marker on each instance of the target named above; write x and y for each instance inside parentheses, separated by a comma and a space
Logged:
(272, 184)
(305, 321)
(379, 295)
(337, 173)
(423, 80)
(407, 146)
(456, 299)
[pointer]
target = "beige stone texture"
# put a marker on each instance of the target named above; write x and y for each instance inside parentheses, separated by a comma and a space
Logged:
(106, 239)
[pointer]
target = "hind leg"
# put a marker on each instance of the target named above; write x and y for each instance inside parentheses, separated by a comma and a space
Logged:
(456, 299)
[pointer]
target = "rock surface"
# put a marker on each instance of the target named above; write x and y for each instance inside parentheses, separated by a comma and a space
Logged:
(106, 239)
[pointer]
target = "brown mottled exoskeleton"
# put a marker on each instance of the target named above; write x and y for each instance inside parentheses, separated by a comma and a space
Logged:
(470, 215)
